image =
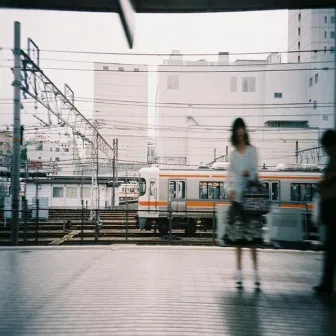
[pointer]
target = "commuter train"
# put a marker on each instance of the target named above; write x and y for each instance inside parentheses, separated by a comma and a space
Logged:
(190, 196)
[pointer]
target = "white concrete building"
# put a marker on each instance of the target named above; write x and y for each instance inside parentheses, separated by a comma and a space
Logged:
(310, 30)
(197, 102)
(52, 155)
(121, 107)
(281, 102)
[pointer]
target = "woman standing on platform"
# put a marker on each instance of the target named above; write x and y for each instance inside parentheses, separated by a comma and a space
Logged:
(242, 230)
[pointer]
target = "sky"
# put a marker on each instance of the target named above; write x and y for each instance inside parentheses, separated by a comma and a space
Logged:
(154, 33)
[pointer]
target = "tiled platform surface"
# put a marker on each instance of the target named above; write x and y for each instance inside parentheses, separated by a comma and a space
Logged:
(137, 290)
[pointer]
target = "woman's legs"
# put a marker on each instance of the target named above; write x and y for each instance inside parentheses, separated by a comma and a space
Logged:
(254, 254)
(239, 280)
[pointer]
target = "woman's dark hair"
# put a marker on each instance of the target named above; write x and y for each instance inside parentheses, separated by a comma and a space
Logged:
(328, 139)
(238, 123)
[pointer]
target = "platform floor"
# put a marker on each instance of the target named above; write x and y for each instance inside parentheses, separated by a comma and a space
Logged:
(140, 290)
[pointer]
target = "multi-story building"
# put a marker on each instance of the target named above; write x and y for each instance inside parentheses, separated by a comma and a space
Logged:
(121, 108)
(311, 35)
(197, 102)
(5, 149)
(54, 156)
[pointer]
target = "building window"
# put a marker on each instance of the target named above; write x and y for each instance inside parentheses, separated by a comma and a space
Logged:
(298, 59)
(325, 49)
(332, 19)
(332, 35)
(50, 149)
(299, 45)
(277, 94)
(314, 104)
(66, 149)
(71, 192)
(172, 82)
(332, 50)
(105, 67)
(121, 69)
(57, 192)
(233, 84)
(311, 81)
(325, 19)
(86, 192)
(325, 118)
(299, 31)
(299, 17)
(136, 69)
(56, 158)
(57, 149)
(325, 34)
(316, 78)
(249, 84)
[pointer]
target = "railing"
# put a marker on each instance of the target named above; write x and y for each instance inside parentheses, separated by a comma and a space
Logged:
(40, 226)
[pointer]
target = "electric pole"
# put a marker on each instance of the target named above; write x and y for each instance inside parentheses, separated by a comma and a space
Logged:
(335, 73)
(15, 180)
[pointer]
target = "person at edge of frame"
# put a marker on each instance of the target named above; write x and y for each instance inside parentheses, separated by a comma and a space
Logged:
(246, 231)
(327, 190)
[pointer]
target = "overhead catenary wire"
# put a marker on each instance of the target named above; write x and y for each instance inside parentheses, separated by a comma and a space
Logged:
(169, 54)
(183, 71)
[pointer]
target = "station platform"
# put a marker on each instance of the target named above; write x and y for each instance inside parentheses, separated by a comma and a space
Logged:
(159, 290)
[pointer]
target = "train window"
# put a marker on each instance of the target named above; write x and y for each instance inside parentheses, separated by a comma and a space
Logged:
(275, 191)
(267, 186)
(142, 187)
(152, 188)
(177, 189)
(172, 189)
(182, 190)
(212, 190)
(303, 192)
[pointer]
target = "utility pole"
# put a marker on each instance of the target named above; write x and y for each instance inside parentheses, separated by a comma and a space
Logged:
(114, 172)
(335, 73)
(214, 154)
(297, 151)
(15, 180)
(116, 163)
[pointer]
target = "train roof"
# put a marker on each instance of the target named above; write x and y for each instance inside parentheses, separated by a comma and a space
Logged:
(280, 169)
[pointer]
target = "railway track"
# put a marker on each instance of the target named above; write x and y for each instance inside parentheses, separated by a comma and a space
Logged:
(115, 229)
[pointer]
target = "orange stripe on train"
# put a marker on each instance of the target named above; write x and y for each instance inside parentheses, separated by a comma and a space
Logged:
(184, 176)
(207, 204)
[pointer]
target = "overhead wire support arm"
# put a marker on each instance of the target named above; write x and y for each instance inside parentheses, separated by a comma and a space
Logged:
(35, 83)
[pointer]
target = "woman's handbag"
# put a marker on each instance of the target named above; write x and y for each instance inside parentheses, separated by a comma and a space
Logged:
(255, 199)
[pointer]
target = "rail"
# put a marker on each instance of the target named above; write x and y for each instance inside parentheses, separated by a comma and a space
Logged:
(40, 226)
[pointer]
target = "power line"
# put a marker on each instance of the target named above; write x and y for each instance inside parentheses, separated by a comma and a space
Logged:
(171, 54)
(182, 71)
(231, 64)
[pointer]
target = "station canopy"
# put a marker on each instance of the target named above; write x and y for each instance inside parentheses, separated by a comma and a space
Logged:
(127, 8)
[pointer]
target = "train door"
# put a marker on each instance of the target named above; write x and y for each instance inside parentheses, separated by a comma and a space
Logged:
(273, 190)
(152, 196)
(177, 196)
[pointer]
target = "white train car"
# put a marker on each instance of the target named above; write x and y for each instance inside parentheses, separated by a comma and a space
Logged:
(129, 190)
(191, 196)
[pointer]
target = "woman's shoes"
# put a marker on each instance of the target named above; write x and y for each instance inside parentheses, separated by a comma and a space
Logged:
(239, 285)
(257, 286)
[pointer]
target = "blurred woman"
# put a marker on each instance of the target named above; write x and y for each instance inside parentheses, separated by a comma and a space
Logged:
(245, 231)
